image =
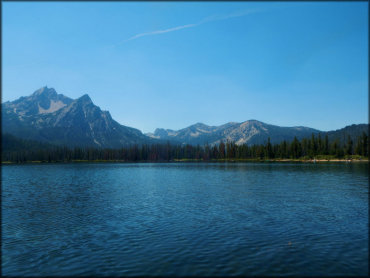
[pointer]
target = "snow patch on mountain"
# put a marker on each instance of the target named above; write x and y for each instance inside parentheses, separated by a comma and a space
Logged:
(54, 106)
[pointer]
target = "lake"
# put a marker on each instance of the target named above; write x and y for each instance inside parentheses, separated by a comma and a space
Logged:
(201, 219)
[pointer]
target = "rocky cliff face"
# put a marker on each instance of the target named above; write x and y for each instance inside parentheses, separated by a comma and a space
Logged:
(54, 118)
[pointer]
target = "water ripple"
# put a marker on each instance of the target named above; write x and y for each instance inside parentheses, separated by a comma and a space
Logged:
(208, 219)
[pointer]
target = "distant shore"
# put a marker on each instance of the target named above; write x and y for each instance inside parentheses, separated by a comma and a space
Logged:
(199, 160)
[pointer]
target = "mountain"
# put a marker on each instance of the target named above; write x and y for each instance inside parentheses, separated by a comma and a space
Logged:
(54, 118)
(354, 131)
(248, 132)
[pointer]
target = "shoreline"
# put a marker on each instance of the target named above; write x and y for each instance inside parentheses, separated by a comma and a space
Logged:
(335, 160)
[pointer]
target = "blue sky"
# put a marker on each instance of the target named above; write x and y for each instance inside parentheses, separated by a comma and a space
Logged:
(170, 65)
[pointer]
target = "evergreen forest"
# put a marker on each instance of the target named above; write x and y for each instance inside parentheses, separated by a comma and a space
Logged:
(315, 147)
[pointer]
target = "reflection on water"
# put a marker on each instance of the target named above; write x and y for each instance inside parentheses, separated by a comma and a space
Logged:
(185, 219)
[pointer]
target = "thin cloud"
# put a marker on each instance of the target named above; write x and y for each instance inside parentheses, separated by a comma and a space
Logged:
(227, 16)
(205, 20)
(162, 31)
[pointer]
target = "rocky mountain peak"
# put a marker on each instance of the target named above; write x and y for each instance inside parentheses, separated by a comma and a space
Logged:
(160, 132)
(48, 116)
(249, 132)
(200, 125)
(45, 91)
(85, 99)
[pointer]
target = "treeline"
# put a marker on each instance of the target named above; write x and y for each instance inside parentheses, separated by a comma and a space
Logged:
(307, 148)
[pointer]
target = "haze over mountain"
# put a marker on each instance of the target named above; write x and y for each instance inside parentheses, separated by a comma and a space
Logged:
(54, 118)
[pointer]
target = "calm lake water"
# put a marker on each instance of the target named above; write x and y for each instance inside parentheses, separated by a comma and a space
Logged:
(185, 219)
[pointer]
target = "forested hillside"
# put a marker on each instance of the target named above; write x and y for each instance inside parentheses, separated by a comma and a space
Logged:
(15, 150)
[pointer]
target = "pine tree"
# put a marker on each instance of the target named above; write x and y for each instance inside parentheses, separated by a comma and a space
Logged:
(296, 149)
(221, 151)
(358, 150)
(269, 149)
(365, 142)
(349, 146)
(326, 145)
(320, 145)
(284, 149)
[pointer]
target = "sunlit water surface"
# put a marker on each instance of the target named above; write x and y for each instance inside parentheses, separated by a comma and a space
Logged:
(185, 219)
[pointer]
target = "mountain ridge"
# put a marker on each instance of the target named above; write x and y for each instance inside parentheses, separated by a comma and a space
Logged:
(50, 117)
(247, 132)
(47, 116)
